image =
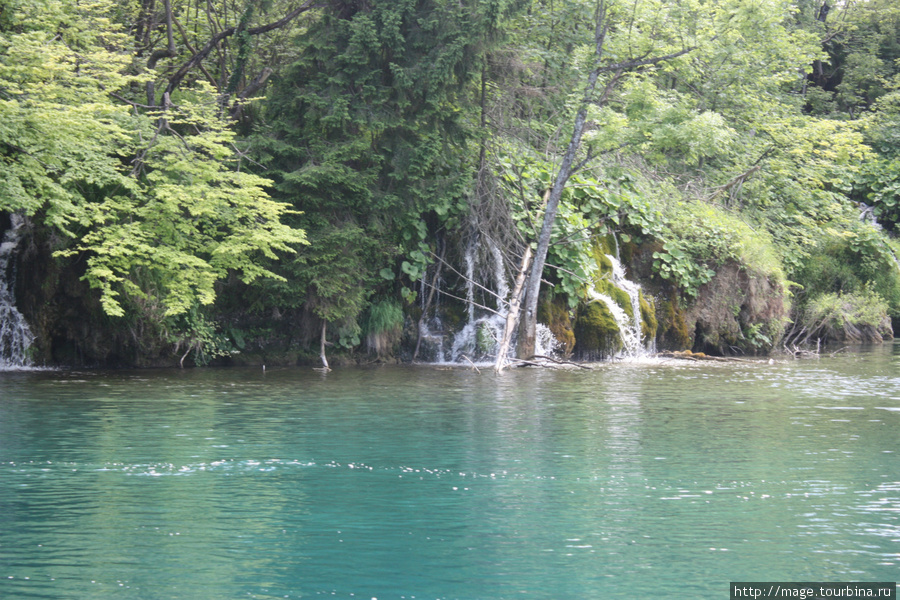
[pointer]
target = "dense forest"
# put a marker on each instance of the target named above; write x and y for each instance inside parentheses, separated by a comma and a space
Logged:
(251, 181)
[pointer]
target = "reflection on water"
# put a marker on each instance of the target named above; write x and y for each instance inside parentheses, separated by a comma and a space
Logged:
(633, 480)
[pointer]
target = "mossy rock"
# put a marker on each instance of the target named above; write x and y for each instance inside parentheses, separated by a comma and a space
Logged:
(673, 332)
(596, 332)
(453, 315)
(600, 250)
(484, 340)
(626, 252)
(618, 295)
(649, 323)
(555, 314)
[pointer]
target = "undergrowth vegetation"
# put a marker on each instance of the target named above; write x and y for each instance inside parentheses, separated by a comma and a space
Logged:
(308, 177)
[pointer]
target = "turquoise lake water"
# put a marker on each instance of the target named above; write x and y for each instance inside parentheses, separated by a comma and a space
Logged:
(646, 480)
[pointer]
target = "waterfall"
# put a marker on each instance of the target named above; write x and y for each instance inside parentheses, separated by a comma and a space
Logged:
(629, 327)
(634, 293)
(479, 339)
(480, 336)
(867, 215)
(499, 276)
(470, 281)
(15, 336)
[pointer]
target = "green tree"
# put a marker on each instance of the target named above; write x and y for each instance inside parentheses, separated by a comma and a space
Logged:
(862, 45)
(156, 201)
(369, 134)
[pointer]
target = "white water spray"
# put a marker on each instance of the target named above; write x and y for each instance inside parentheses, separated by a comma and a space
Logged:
(480, 336)
(629, 327)
(500, 277)
(634, 293)
(470, 282)
(479, 339)
(15, 336)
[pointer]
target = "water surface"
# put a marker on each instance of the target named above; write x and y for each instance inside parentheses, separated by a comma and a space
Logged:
(629, 481)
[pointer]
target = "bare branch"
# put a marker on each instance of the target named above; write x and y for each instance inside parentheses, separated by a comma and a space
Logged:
(633, 64)
(167, 52)
(449, 295)
(449, 266)
(193, 50)
(195, 60)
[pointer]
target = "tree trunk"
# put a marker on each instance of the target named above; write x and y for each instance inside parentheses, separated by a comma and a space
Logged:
(528, 331)
(322, 347)
(528, 328)
(168, 52)
(512, 316)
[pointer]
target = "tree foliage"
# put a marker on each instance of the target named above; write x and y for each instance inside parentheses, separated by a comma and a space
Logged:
(156, 200)
(370, 133)
(183, 149)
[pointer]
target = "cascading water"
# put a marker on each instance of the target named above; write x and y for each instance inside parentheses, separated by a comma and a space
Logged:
(634, 293)
(480, 336)
(479, 339)
(630, 345)
(867, 215)
(15, 336)
(470, 282)
(629, 327)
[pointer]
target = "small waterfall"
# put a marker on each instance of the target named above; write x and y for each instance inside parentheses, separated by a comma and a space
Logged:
(15, 336)
(634, 292)
(432, 340)
(867, 215)
(630, 345)
(479, 339)
(470, 282)
(629, 327)
(499, 274)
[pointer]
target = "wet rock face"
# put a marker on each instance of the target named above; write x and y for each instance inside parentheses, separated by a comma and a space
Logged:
(673, 332)
(737, 312)
(555, 313)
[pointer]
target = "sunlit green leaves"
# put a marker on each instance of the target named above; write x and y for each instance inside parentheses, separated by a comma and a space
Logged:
(61, 137)
(194, 218)
(158, 202)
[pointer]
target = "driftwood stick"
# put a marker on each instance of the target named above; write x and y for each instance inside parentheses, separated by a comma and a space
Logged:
(698, 356)
(474, 366)
(562, 362)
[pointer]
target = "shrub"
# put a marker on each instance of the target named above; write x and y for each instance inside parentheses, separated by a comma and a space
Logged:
(383, 326)
(855, 317)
